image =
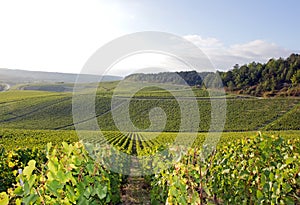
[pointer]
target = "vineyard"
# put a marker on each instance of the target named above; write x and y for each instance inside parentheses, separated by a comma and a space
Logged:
(244, 169)
(43, 160)
(53, 111)
(12, 139)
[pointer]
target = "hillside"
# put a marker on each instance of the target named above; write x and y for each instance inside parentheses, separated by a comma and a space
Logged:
(276, 77)
(52, 110)
(33, 114)
(279, 77)
(28, 106)
(13, 77)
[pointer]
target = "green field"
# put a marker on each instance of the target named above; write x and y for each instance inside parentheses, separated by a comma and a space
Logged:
(31, 119)
(53, 110)
(19, 138)
(260, 157)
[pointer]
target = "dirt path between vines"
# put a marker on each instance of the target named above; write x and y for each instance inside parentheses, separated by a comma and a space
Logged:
(136, 190)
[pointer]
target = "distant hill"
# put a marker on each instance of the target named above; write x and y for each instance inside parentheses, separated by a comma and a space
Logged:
(13, 77)
(277, 77)
(191, 78)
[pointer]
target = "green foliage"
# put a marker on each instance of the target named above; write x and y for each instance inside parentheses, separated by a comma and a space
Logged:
(289, 121)
(255, 170)
(181, 78)
(255, 114)
(261, 169)
(258, 79)
(296, 78)
(4, 200)
(11, 161)
(12, 139)
(242, 114)
(243, 170)
(69, 176)
(42, 110)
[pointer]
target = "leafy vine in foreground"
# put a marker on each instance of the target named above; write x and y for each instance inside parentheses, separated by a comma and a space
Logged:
(256, 170)
(69, 176)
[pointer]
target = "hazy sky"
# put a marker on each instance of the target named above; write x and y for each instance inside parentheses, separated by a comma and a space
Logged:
(60, 36)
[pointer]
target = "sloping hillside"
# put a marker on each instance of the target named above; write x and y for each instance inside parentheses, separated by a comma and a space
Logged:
(11, 76)
(51, 110)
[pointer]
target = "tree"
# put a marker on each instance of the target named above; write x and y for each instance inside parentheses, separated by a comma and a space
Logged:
(296, 78)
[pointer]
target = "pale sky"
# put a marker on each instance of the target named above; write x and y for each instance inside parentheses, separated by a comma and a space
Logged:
(60, 36)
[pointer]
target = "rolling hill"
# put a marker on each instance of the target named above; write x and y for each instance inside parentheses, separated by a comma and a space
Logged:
(14, 77)
(277, 77)
(52, 110)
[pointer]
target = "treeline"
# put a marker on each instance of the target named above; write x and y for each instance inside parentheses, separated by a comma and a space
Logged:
(276, 77)
(191, 78)
(281, 76)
